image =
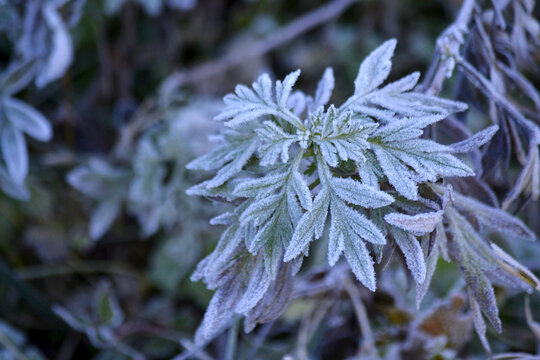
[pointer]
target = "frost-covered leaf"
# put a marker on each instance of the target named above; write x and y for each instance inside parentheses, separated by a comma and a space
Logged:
(283, 89)
(494, 218)
(474, 259)
(431, 265)
(274, 230)
(275, 301)
(375, 68)
(231, 157)
(425, 157)
(484, 295)
(514, 267)
(14, 152)
(103, 217)
(398, 174)
(361, 263)
(479, 323)
(348, 158)
(302, 190)
(27, 119)
(311, 225)
(224, 251)
(418, 224)
(406, 83)
(414, 256)
(61, 54)
(269, 211)
(17, 76)
(405, 129)
(260, 209)
(354, 192)
(260, 187)
(370, 171)
(324, 89)
(475, 141)
(341, 136)
(218, 313)
(246, 105)
(256, 288)
(274, 143)
(396, 100)
(348, 229)
(107, 307)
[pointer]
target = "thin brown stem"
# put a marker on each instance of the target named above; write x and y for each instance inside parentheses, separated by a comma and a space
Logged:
(287, 33)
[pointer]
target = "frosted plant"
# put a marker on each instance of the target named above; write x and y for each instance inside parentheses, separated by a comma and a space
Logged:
(107, 185)
(99, 320)
(44, 38)
(43, 52)
(152, 183)
(16, 119)
(15, 344)
(296, 169)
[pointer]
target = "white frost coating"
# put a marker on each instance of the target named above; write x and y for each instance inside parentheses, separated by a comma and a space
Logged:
(406, 128)
(302, 190)
(398, 174)
(361, 263)
(356, 193)
(274, 143)
(479, 323)
(261, 186)
(62, 48)
(375, 68)
(246, 105)
(256, 288)
(495, 218)
(404, 84)
(414, 256)
(27, 119)
(243, 153)
(418, 224)
(311, 225)
(260, 209)
(283, 90)
(324, 90)
(475, 141)
(340, 136)
(218, 314)
(14, 152)
(520, 270)
(431, 264)
(428, 159)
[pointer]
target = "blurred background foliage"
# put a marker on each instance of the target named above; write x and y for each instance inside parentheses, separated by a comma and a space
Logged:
(99, 269)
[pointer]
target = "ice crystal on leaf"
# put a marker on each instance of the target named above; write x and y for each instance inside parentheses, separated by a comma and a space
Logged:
(297, 171)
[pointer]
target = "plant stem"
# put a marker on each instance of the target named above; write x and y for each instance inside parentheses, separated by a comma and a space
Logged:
(287, 33)
(232, 339)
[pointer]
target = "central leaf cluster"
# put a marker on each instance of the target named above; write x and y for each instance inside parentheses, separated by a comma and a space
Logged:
(291, 164)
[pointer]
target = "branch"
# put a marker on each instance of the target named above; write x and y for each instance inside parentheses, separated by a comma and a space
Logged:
(368, 342)
(446, 49)
(287, 33)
